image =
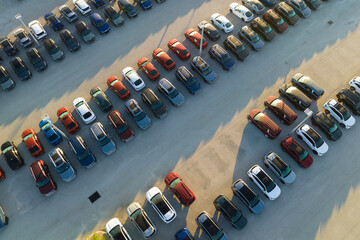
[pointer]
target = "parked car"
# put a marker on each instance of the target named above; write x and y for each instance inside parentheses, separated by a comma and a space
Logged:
(254, 5)
(102, 138)
(68, 14)
(128, 8)
(170, 92)
(279, 168)
(222, 22)
(209, 30)
(37, 29)
(307, 86)
(211, 229)
(355, 84)
(187, 78)
(136, 112)
(327, 125)
(164, 59)
(350, 98)
(118, 87)
(148, 68)
(101, 99)
(269, 3)
(20, 69)
(32, 142)
(161, 205)
(236, 47)
(221, 56)
(84, 111)
(263, 29)
(312, 139)
(141, 220)
(180, 189)
(264, 123)
(53, 50)
(36, 59)
(4, 220)
(247, 196)
(42, 177)
(295, 96)
(133, 78)
(98, 3)
(313, 4)
(179, 49)
(297, 152)
(23, 37)
(241, 12)
(99, 23)
(86, 34)
(51, 134)
(275, 20)
(195, 37)
(300, 7)
(82, 153)
(287, 13)
(203, 68)
(340, 113)
(69, 40)
(184, 234)
(116, 230)
(113, 16)
(6, 82)
(144, 4)
(124, 131)
(82, 6)
(12, 155)
(62, 164)
(264, 182)
(281, 110)
(2, 176)
(53, 21)
(154, 103)
(7, 45)
(68, 120)
(232, 213)
(251, 38)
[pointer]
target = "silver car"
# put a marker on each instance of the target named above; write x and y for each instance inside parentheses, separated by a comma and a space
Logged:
(102, 138)
(279, 168)
(251, 38)
(169, 91)
(300, 7)
(254, 5)
(62, 165)
(141, 118)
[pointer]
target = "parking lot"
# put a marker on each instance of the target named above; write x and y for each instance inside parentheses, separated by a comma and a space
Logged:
(207, 141)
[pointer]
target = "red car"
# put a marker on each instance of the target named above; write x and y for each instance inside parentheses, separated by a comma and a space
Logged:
(2, 174)
(264, 123)
(297, 152)
(280, 109)
(164, 59)
(68, 120)
(42, 177)
(179, 49)
(124, 131)
(195, 38)
(32, 143)
(179, 188)
(275, 21)
(148, 68)
(116, 85)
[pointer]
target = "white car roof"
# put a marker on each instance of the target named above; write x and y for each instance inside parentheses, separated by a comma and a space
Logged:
(242, 8)
(36, 26)
(81, 4)
(112, 223)
(77, 100)
(152, 192)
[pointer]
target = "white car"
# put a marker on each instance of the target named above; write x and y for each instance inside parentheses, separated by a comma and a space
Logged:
(141, 220)
(264, 182)
(84, 111)
(133, 78)
(222, 22)
(241, 12)
(161, 205)
(340, 113)
(37, 29)
(355, 84)
(279, 168)
(82, 6)
(312, 139)
(116, 230)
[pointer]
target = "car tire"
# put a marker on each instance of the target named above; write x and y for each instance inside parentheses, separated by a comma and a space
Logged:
(282, 181)
(231, 10)
(266, 165)
(267, 196)
(327, 111)
(352, 88)
(300, 137)
(315, 152)
(266, 107)
(342, 125)
(267, 136)
(282, 121)
(250, 121)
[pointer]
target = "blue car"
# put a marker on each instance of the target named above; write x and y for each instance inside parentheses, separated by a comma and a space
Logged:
(98, 3)
(52, 135)
(83, 154)
(269, 3)
(183, 234)
(53, 21)
(99, 23)
(218, 53)
(144, 4)
(189, 81)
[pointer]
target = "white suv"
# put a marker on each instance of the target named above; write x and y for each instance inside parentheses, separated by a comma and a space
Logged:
(222, 22)
(355, 84)
(340, 113)
(161, 205)
(264, 182)
(82, 6)
(312, 139)
(37, 29)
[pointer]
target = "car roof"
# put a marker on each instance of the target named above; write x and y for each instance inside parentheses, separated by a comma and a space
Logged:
(150, 95)
(219, 49)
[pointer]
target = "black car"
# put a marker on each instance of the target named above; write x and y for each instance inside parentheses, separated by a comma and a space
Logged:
(351, 99)
(263, 29)
(209, 30)
(218, 53)
(212, 230)
(36, 59)
(9, 48)
(295, 96)
(101, 99)
(203, 68)
(247, 196)
(23, 38)
(98, 3)
(86, 34)
(327, 125)
(20, 69)
(69, 14)
(12, 155)
(6, 82)
(230, 212)
(154, 103)
(70, 41)
(114, 16)
(53, 50)
(188, 79)
(307, 86)
(287, 13)
(313, 4)
(128, 8)
(236, 47)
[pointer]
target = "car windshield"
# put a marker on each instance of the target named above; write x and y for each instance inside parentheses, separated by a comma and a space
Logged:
(63, 114)
(275, 102)
(100, 23)
(248, 14)
(231, 210)
(284, 169)
(28, 136)
(303, 6)
(343, 111)
(83, 155)
(87, 115)
(104, 141)
(85, 32)
(53, 49)
(45, 126)
(255, 39)
(62, 168)
(174, 93)
(207, 70)
(259, 116)
(301, 151)
(160, 53)
(116, 233)
(153, 73)
(43, 183)
(269, 184)
(79, 104)
(21, 35)
(159, 202)
(215, 232)
(317, 139)
(67, 10)
(157, 105)
(113, 82)
(268, 29)
(122, 129)
(175, 182)
(333, 128)
(169, 62)
(52, 19)
(53, 137)
(70, 125)
(123, 91)
(281, 21)
(33, 149)
(7, 149)
(228, 25)
(184, 52)
(226, 57)
(137, 82)
(141, 116)
(292, 13)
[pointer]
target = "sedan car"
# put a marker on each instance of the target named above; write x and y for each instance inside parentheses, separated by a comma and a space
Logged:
(297, 152)
(295, 96)
(254, 5)
(51, 134)
(241, 12)
(12, 155)
(20, 69)
(84, 111)
(221, 56)
(68, 120)
(236, 47)
(53, 50)
(84, 31)
(53, 21)
(23, 38)
(312, 139)
(102, 138)
(187, 78)
(184, 234)
(135, 111)
(145, 4)
(264, 123)
(209, 30)
(164, 59)
(99, 23)
(70, 41)
(141, 220)
(69, 14)
(355, 84)
(222, 22)
(62, 164)
(116, 230)
(148, 68)
(116, 85)
(340, 113)
(82, 6)
(300, 7)
(195, 37)
(313, 4)
(327, 125)
(124, 131)
(211, 229)
(98, 3)
(263, 29)
(154, 103)
(180, 189)
(179, 49)
(251, 38)
(40, 172)
(287, 13)
(82, 153)
(32, 142)
(36, 59)
(133, 78)
(37, 29)
(264, 182)
(7, 45)
(6, 82)
(350, 98)
(170, 92)
(279, 168)
(115, 17)
(280, 109)
(203, 68)
(233, 214)
(247, 196)
(275, 20)
(160, 204)
(101, 99)
(128, 8)
(307, 86)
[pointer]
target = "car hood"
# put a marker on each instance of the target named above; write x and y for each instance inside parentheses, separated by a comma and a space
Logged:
(290, 178)
(241, 223)
(275, 193)
(7, 84)
(183, 191)
(144, 123)
(195, 88)
(306, 12)
(178, 100)
(68, 175)
(47, 188)
(109, 148)
(350, 122)
(258, 208)
(210, 77)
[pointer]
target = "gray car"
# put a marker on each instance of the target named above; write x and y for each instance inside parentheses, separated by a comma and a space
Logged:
(169, 91)
(62, 164)
(203, 68)
(212, 230)
(102, 138)
(251, 38)
(254, 5)
(6, 82)
(300, 7)
(247, 196)
(141, 118)
(279, 168)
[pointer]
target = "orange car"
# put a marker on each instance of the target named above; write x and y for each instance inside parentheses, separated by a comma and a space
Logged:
(116, 85)
(164, 59)
(179, 49)
(68, 120)
(195, 37)
(148, 68)
(32, 142)
(2, 174)
(264, 123)
(280, 109)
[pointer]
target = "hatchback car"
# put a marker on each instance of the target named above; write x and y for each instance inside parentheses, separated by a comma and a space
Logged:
(145, 4)
(7, 45)
(340, 113)
(281, 110)
(251, 38)
(312, 139)
(307, 86)
(355, 84)
(313, 4)
(279, 168)
(99, 23)
(23, 38)
(6, 82)
(101, 99)
(82, 153)
(36, 59)
(128, 8)
(161, 205)
(69, 40)
(133, 78)
(154, 103)
(86, 34)
(69, 14)
(187, 78)
(118, 87)
(297, 152)
(32, 142)
(113, 16)
(209, 30)
(350, 98)
(211, 229)
(295, 96)
(247, 196)
(98, 3)
(116, 230)
(287, 13)
(141, 118)
(12, 155)
(327, 125)
(254, 5)
(148, 68)
(203, 68)
(68, 120)
(141, 220)
(275, 20)
(37, 29)
(82, 6)
(124, 131)
(179, 49)
(102, 138)
(170, 92)
(241, 12)
(4, 220)
(51, 134)
(264, 123)
(164, 59)
(53, 50)
(300, 7)
(40, 172)
(221, 56)
(234, 45)
(53, 21)
(264, 182)
(20, 69)
(84, 111)
(195, 37)
(222, 22)
(62, 164)
(180, 189)
(263, 29)
(184, 234)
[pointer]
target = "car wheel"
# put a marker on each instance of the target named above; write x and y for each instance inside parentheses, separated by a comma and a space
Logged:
(315, 152)
(250, 121)
(267, 136)
(300, 137)
(282, 181)
(327, 111)
(223, 30)
(212, 21)
(352, 88)
(267, 196)
(266, 165)
(266, 107)
(282, 121)
(342, 125)
(231, 10)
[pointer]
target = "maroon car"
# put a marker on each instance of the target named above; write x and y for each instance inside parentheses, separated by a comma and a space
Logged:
(275, 20)
(179, 188)
(179, 49)
(264, 123)
(42, 177)
(124, 131)
(297, 152)
(280, 109)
